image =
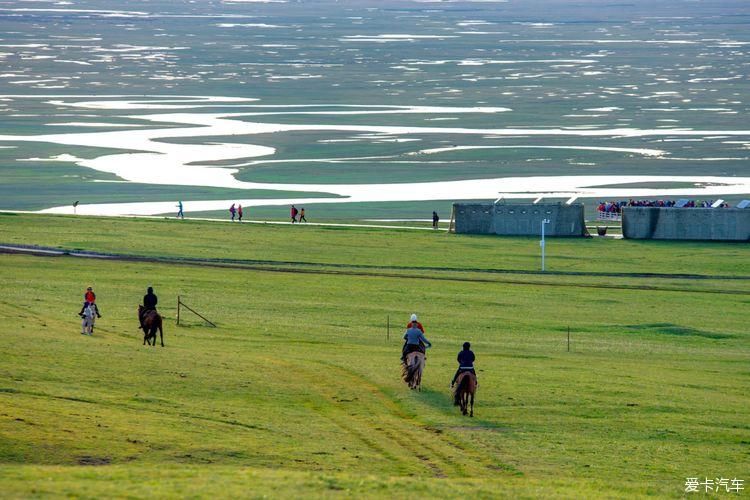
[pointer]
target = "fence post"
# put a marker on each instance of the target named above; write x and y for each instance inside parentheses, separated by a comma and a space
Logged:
(178, 309)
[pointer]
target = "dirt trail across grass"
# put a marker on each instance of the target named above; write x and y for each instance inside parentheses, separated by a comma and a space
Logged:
(429, 273)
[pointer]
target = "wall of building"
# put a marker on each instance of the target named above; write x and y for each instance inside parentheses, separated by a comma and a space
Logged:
(712, 224)
(519, 219)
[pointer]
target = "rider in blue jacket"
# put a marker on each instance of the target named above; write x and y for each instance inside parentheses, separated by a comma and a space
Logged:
(415, 340)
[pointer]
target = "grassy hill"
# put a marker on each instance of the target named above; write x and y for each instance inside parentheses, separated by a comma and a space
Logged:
(297, 390)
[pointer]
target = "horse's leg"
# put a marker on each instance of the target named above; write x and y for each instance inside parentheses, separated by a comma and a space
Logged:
(472, 405)
(161, 336)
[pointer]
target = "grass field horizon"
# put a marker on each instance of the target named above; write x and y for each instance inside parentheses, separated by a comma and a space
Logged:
(297, 390)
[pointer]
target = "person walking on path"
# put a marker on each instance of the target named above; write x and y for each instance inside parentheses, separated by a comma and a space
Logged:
(435, 220)
(180, 214)
(294, 213)
(239, 212)
(89, 298)
(302, 214)
(232, 211)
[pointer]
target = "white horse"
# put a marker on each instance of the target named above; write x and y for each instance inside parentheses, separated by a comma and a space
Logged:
(89, 318)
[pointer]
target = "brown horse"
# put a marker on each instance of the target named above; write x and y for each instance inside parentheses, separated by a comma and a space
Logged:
(411, 370)
(463, 394)
(150, 322)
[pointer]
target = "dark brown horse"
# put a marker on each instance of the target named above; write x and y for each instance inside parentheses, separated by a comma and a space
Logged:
(411, 370)
(150, 322)
(463, 394)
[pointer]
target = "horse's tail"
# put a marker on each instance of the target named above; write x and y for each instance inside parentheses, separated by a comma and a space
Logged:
(461, 388)
(414, 368)
(407, 372)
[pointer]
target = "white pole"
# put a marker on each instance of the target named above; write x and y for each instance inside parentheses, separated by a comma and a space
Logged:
(541, 243)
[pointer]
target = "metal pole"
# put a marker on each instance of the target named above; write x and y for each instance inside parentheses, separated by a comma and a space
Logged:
(388, 328)
(178, 309)
(542, 243)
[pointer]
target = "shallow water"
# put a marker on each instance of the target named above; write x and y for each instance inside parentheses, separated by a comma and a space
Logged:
(380, 101)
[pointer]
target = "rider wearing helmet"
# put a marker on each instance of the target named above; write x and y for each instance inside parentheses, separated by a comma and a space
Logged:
(414, 338)
(465, 360)
(89, 298)
(412, 323)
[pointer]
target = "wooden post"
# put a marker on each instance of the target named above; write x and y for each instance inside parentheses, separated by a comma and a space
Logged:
(178, 309)
(452, 223)
(198, 314)
(568, 338)
(388, 328)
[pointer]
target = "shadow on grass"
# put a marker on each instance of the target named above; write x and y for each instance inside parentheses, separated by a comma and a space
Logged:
(442, 401)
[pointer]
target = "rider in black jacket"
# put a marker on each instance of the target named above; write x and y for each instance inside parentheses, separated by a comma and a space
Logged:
(465, 360)
(149, 303)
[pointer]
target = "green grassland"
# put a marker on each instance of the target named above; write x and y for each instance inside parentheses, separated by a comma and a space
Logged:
(297, 390)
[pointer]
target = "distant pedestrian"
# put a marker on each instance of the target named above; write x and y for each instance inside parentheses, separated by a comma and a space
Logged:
(293, 213)
(435, 220)
(239, 212)
(232, 211)
(302, 214)
(180, 214)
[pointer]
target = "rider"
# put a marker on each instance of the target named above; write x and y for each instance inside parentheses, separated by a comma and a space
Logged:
(149, 303)
(415, 340)
(89, 298)
(465, 360)
(413, 323)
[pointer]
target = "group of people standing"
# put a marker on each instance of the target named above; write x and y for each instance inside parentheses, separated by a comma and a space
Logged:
(297, 215)
(235, 212)
(414, 340)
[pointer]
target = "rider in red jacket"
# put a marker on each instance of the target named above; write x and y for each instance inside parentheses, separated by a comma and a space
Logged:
(413, 323)
(90, 298)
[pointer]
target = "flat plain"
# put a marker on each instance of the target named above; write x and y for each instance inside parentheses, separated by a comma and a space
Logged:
(297, 389)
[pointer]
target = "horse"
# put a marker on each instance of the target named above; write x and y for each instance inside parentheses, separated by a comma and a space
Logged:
(150, 322)
(89, 318)
(463, 394)
(412, 368)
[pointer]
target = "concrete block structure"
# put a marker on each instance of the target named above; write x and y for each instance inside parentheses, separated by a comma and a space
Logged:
(710, 224)
(519, 219)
